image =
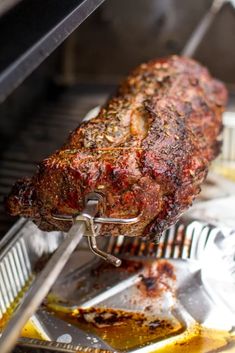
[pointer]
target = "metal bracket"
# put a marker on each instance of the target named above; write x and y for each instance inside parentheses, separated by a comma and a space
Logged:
(93, 226)
(100, 220)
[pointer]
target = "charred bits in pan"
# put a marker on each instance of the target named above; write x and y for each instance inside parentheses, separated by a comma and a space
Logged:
(157, 278)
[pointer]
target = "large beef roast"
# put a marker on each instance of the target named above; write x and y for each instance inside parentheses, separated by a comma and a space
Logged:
(147, 152)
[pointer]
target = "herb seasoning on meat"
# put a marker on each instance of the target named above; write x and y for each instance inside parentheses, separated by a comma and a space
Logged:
(147, 152)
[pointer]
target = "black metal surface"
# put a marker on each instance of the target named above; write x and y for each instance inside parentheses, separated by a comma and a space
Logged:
(31, 31)
(5, 5)
(45, 131)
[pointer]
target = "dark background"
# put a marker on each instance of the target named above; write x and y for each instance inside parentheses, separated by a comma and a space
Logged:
(117, 37)
(124, 33)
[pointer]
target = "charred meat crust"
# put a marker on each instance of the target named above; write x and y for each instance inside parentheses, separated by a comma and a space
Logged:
(147, 152)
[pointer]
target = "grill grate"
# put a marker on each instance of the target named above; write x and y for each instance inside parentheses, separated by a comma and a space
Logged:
(186, 239)
(44, 133)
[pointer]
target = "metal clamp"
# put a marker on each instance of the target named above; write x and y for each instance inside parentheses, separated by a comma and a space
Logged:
(101, 220)
(93, 227)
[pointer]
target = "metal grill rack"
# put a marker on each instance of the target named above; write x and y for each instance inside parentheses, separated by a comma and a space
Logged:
(46, 131)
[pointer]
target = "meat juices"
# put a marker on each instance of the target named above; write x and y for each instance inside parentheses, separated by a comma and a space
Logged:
(146, 152)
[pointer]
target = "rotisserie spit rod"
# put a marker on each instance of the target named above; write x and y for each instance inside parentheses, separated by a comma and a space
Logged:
(49, 274)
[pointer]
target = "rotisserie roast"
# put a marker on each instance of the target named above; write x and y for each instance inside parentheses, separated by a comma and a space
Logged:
(146, 152)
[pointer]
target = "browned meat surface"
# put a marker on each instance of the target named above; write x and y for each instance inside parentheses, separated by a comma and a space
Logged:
(147, 152)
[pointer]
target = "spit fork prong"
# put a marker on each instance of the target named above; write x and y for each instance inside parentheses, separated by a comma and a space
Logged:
(93, 226)
(102, 220)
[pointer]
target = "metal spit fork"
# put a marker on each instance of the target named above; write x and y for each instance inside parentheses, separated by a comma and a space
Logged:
(203, 26)
(84, 223)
